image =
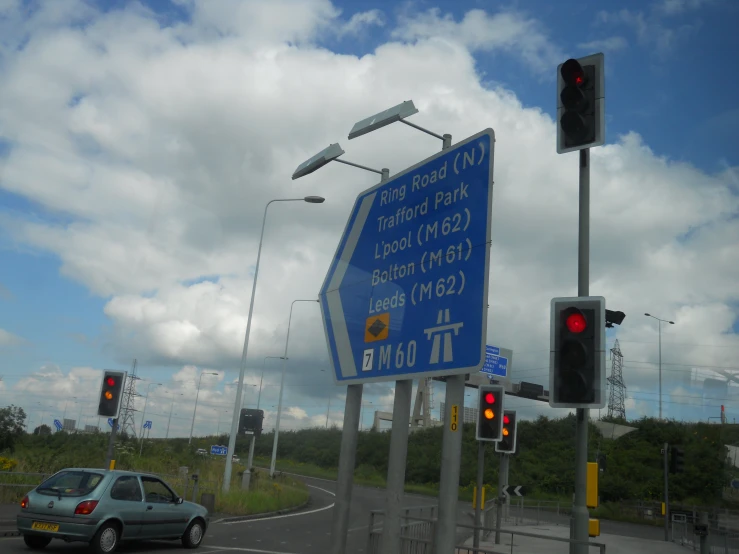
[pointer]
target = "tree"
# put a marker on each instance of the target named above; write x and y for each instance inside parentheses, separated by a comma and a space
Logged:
(12, 420)
(42, 430)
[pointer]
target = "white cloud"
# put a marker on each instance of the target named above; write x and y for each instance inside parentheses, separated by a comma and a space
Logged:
(9, 339)
(610, 44)
(360, 21)
(511, 32)
(162, 145)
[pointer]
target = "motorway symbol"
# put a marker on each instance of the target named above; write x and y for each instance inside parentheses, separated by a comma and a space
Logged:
(219, 450)
(495, 364)
(58, 425)
(406, 293)
(516, 490)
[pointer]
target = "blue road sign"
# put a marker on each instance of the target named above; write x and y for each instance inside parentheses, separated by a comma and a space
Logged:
(219, 450)
(406, 293)
(58, 425)
(147, 425)
(110, 422)
(495, 364)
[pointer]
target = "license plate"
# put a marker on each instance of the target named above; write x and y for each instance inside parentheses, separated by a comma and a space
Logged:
(42, 526)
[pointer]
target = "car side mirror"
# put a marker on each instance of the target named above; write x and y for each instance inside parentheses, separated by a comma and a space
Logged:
(180, 500)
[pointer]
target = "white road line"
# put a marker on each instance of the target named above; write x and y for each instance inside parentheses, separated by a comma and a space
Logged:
(256, 551)
(287, 515)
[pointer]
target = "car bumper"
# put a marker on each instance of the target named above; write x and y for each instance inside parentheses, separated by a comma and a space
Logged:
(77, 529)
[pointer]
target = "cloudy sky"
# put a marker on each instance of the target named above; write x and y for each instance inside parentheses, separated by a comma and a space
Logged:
(140, 142)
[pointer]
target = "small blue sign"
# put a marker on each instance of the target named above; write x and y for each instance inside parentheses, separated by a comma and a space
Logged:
(219, 450)
(406, 293)
(147, 424)
(495, 364)
(110, 422)
(58, 425)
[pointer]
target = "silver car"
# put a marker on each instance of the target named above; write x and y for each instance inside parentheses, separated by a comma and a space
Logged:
(104, 507)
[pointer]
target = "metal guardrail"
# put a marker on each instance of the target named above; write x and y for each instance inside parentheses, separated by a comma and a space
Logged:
(417, 533)
(720, 540)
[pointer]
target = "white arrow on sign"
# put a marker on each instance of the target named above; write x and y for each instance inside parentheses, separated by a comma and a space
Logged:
(516, 490)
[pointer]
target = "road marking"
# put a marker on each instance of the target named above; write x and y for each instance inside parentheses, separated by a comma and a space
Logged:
(288, 515)
(244, 549)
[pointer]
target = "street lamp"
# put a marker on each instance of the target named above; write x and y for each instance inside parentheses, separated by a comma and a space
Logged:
(237, 400)
(143, 420)
(259, 396)
(391, 115)
(282, 386)
(659, 327)
(329, 154)
(166, 436)
(197, 394)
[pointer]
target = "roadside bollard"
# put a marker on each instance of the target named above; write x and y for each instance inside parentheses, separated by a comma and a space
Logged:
(194, 487)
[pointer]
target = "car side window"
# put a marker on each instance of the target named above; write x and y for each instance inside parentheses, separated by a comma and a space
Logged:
(126, 488)
(156, 491)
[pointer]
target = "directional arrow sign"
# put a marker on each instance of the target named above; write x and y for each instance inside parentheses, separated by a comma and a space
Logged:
(218, 450)
(515, 490)
(58, 425)
(406, 293)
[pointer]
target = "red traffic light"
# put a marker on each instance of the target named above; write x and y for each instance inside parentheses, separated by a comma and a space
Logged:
(506, 420)
(110, 381)
(576, 323)
(572, 73)
(490, 398)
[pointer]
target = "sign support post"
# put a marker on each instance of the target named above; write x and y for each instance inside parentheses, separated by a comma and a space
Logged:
(580, 514)
(451, 457)
(347, 458)
(396, 467)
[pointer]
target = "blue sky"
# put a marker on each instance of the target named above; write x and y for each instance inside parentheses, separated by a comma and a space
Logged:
(69, 301)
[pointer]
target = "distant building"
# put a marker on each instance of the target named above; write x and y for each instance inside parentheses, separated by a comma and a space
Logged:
(469, 415)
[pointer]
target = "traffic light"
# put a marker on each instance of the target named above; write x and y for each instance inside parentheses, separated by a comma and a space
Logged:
(251, 421)
(110, 393)
(507, 443)
(490, 413)
(577, 358)
(580, 103)
(677, 460)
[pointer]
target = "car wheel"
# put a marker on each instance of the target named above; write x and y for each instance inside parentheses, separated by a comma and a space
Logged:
(193, 535)
(105, 540)
(35, 542)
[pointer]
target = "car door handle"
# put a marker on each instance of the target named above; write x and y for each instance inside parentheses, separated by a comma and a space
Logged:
(150, 507)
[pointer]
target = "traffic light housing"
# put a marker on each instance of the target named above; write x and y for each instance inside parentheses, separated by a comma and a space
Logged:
(581, 95)
(111, 391)
(677, 460)
(577, 358)
(490, 413)
(507, 443)
(251, 421)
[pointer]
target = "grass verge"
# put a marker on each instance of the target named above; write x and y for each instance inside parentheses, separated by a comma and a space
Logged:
(267, 495)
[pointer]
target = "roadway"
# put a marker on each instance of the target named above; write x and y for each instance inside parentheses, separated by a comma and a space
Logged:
(307, 531)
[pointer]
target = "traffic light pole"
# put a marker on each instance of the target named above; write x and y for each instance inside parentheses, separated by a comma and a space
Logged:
(478, 496)
(502, 500)
(580, 515)
(667, 496)
(111, 444)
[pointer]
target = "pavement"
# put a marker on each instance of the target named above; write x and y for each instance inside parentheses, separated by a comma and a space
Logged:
(615, 544)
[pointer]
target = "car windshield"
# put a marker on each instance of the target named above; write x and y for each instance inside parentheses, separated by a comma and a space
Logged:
(70, 483)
